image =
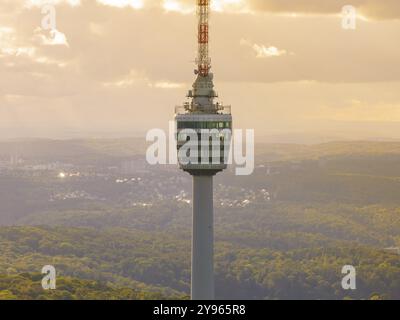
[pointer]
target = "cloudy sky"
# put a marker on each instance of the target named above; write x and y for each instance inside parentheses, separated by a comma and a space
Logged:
(118, 67)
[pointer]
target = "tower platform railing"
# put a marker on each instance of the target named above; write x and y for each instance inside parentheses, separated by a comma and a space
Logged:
(189, 108)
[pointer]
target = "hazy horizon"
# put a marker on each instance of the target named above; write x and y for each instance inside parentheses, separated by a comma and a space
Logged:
(284, 137)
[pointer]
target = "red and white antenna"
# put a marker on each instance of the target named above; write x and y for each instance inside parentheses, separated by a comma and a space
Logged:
(203, 60)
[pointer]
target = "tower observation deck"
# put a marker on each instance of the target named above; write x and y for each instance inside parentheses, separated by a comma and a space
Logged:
(204, 125)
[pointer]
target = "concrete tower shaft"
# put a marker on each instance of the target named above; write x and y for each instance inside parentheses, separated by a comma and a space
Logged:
(202, 287)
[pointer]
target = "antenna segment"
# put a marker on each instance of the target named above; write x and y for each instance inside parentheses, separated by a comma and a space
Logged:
(203, 60)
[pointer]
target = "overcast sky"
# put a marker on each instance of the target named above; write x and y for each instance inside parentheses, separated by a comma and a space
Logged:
(118, 67)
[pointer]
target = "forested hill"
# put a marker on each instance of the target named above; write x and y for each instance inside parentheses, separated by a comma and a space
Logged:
(291, 265)
(117, 228)
(27, 286)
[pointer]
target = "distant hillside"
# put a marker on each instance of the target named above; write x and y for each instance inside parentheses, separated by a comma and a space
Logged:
(284, 152)
(72, 150)
(124, 147)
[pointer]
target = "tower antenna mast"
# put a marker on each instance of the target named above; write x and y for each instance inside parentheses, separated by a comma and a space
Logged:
(203, 59)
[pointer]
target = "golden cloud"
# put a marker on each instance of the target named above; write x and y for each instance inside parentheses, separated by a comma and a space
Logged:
(376, 9)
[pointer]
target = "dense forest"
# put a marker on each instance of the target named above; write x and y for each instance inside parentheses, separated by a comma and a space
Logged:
(26, 286)
(283, 233)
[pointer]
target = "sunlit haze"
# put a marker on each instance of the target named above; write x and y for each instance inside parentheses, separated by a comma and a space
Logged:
(118, 67)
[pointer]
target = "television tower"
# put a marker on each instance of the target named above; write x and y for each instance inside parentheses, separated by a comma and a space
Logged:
(210, 123)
